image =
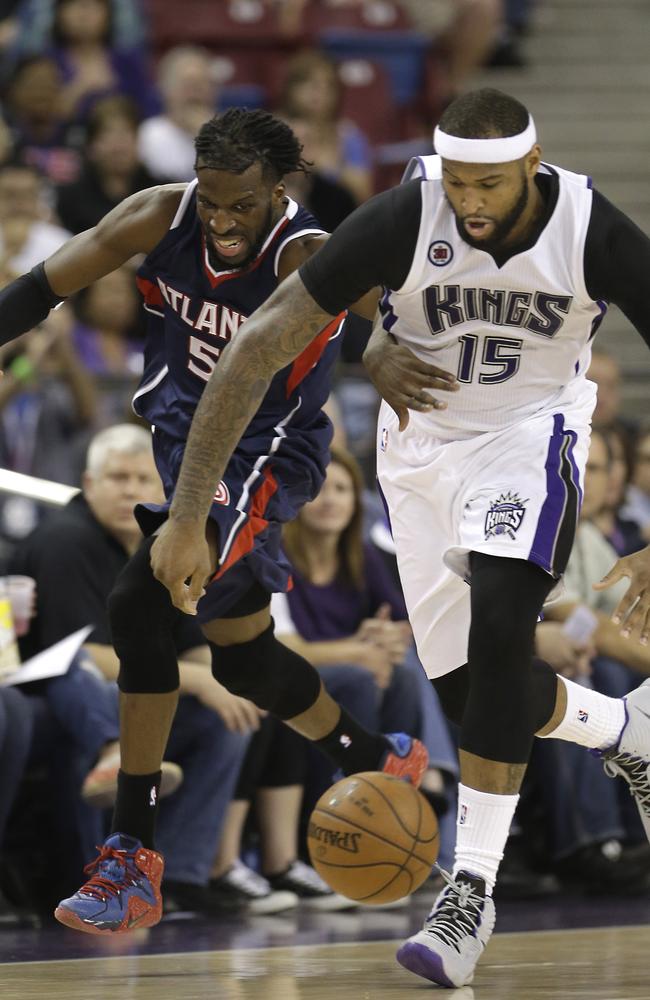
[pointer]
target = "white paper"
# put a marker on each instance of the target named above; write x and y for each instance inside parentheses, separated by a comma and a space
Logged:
(51, 662)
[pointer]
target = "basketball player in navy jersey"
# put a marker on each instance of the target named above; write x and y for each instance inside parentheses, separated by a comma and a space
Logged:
(216, 249)
(499, 268)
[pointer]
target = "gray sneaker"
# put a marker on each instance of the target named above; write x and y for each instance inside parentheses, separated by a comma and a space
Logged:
(629, 758)
(454, 935)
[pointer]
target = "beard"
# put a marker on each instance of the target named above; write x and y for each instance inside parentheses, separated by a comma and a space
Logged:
(502, 227)
(219, 263)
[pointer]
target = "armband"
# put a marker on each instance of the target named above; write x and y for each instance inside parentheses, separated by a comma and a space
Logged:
(25, 303)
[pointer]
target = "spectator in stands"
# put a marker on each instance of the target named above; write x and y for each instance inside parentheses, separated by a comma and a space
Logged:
(465, 30)
(6, 143)
(16, 726)
(107, 342)
(75, 558)
(617, 663)
(272, 781)
(605, 371)
(637, 502)
(189, 92)
(35, 20)
(591, 558)
(311, 99)
(32, 99)
(47, 409)
(111, 169)
(345, 615)
(27, 234)
(621, 532)
(327, 199)
(92, 67)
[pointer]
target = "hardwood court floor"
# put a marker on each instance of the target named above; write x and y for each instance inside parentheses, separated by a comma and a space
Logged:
(594, 964)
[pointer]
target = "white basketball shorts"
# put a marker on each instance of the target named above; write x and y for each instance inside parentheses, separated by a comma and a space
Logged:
(515, 492)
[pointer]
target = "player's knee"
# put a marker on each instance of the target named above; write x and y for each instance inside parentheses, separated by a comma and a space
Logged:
(141, 617)
(267, 673)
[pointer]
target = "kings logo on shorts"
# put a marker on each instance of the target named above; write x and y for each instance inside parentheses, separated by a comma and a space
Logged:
(505, 515)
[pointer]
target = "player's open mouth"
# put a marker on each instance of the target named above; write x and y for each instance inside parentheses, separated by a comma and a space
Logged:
(229, 248)
(477, 227)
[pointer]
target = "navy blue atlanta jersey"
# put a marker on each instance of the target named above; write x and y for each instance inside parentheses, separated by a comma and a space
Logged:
(193, 312)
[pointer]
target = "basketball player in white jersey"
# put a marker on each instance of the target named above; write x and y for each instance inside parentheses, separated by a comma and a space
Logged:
(497, 269)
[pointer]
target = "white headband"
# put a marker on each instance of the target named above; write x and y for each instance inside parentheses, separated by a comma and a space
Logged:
(501, 150)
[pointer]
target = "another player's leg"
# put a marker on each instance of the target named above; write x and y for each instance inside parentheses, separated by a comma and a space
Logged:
(497, 728)
(252, 663)
(123, 891)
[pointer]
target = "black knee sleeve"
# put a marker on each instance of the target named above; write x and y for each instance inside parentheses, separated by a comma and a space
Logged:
(269, 674)
(452, 690)
(142, 617)
(499, 718)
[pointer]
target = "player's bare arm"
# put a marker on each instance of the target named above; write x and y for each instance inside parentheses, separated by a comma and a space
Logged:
(269, 340)
(135, 226)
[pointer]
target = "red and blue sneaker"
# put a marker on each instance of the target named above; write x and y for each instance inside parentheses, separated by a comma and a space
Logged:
(123, 892)
(408, 758)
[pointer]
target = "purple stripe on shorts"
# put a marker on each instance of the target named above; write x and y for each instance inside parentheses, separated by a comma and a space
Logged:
(559, 460)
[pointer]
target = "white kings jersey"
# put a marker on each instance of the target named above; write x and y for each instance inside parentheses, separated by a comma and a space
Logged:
(517, 336)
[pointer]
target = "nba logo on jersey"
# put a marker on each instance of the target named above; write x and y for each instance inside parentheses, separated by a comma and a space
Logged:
(222, 495)
(505, 516)
(384, 439)
(440, 253)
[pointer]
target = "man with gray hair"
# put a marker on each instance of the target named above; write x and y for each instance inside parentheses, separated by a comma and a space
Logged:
(75, 557)
(187, 82)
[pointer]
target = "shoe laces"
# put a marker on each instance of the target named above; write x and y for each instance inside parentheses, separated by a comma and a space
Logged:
(304, 875)
(112, 872)
(249, 881)
(636, 770)
(457, 913)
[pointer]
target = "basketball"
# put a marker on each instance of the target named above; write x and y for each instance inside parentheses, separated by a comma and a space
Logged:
(373, 838)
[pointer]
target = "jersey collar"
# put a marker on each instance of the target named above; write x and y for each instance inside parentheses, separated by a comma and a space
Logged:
(217, 277)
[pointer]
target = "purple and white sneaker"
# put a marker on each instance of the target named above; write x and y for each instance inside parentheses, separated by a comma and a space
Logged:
(629, 758)
(454, 935)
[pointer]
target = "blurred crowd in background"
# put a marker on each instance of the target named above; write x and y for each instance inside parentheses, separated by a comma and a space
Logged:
(100, 99)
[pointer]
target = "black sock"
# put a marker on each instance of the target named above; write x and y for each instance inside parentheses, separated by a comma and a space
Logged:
(352, 747)
(136, 806)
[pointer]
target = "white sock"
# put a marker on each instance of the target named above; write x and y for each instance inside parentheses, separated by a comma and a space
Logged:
(591, 719)
(482, 829)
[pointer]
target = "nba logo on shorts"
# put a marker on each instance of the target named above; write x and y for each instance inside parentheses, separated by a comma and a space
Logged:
(505, 515)
(222, 495)
(383, 444)
(440, 253)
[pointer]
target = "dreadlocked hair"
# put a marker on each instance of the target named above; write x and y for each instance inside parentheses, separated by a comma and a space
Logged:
(484, 114)
(237, 139)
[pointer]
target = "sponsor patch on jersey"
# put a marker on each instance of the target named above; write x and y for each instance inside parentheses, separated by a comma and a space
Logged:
(222, 495)
(383, 443)
(440, 253)
(505, 515)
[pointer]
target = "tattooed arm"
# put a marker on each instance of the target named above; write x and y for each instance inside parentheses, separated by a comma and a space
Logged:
(269, 340)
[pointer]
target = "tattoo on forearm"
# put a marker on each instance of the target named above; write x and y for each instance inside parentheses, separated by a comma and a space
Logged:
(236, 388)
